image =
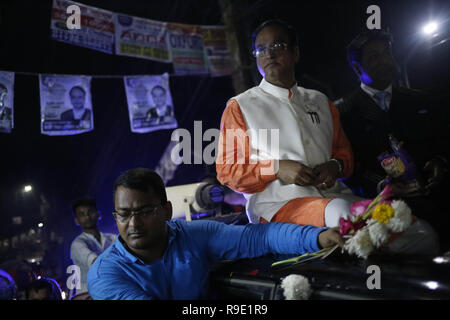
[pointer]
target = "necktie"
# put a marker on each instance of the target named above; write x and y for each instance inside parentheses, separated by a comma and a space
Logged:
(381, 97)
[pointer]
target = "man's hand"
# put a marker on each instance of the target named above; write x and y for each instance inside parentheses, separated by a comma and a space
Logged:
(329, 238)
(290, 172)
(327, 173)
(436, 171)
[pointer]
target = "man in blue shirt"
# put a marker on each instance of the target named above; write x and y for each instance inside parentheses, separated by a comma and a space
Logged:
(155, 258)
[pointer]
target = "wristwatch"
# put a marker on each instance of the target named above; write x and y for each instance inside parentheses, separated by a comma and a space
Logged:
(340, 164)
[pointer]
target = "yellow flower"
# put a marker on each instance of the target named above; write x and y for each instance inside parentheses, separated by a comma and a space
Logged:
(382, 213)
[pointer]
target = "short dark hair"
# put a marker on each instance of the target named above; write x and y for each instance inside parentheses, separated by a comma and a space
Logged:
(142, 179)
(354, 49)
(77, 87)
(45, 283)
(290, 31)
(158, 87)
(88, 202)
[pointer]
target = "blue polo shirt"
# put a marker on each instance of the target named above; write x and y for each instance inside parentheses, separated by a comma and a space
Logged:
(193, 248)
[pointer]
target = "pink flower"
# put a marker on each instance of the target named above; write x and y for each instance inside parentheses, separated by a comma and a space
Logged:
(347, 225)
(359, 207)
(386, 193)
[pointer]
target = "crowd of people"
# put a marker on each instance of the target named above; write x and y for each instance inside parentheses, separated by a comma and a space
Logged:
(330, 154)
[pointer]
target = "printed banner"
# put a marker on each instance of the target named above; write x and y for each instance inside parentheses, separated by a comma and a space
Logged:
(66, 106)
(96, 26)
(150, 104)
(186, 44)
(142, 38)
(217, 50)
(6, 101)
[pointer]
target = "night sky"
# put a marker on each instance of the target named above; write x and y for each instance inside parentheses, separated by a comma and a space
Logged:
(66, 167)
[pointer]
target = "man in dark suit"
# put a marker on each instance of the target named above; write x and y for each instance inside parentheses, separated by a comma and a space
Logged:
(77, 98)
(378, 108)
(162, 113)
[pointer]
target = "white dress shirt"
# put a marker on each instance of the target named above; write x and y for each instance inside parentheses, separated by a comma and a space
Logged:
(85, 249)
(372, 91)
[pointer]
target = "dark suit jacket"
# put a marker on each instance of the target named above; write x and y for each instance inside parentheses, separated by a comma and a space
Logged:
(6, 114)
(68, 115)
(153, 113)
(413, 117)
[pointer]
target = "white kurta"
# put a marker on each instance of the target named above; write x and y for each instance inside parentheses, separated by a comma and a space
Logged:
(305, 127)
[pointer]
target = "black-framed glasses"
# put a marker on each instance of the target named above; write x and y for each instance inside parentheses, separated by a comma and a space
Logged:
(124, 217)
(274, 47)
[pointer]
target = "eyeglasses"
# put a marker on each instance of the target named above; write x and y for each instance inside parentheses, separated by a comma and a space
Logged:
(274, 48)
(144, 213)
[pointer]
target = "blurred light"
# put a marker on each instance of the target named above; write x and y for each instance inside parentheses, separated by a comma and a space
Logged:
(27, 188)
(432, 285)
(33, 260)
(63, 294)
(40, 224)
(441, 260)
(39, 277)
(430, 27)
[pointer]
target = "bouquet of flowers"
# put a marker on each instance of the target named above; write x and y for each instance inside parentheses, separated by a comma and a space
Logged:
(369, 226)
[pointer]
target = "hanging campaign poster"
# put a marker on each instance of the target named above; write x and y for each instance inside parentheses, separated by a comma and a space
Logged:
(96, 26)
(150, 104)
(6, 101)
(142, 38)
(217, 50)
(66, 106)
(186, 45)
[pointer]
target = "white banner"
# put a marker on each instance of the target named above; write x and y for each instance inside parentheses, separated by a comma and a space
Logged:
(66, 106)
(6, 101)
(142, 38)
(96, 26)
(186, 45)
(217, 50)
(150, 104)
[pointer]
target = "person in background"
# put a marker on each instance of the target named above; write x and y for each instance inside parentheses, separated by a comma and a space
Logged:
(379, 108)
(155, 257)
(43, 289)
(86, 247)
(8, 288)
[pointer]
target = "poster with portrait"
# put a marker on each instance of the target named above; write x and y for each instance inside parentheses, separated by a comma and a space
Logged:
(6, 101)
(96, 26)
(150, 106)
(217, 50)
(186, 45)
(66, 105)
(142, 38)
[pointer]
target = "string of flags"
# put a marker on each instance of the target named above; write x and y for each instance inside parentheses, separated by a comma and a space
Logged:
(191, 49)
(66, 103)
(65, 100)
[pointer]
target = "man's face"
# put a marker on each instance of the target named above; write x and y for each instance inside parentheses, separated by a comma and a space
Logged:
(86, 216)
(159, 97)
(275, 65)
(77, 99)
(40, 294)
(377, 63)
(141, 232)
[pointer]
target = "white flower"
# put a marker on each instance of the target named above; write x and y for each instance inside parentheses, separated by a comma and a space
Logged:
(378, 233)
(296, 287)
(360, 244)
(402, 218)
